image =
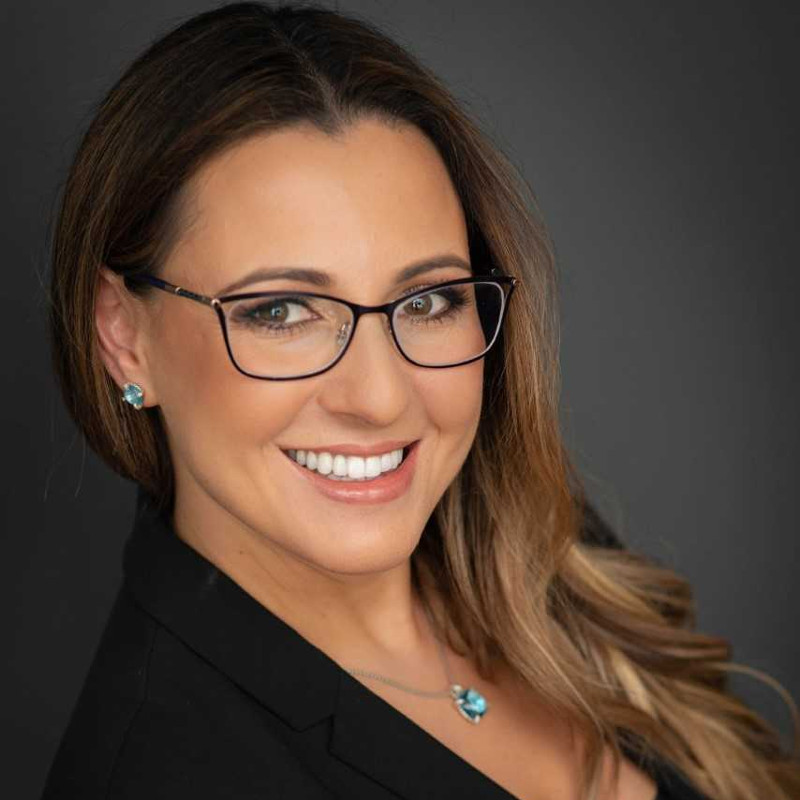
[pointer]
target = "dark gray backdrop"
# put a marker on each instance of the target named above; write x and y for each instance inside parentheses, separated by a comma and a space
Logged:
(660, 140)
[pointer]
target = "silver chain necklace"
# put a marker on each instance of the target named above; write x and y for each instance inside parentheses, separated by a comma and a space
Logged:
(470, 703)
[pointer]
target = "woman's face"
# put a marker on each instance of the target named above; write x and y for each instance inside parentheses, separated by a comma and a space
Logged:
(360, 208)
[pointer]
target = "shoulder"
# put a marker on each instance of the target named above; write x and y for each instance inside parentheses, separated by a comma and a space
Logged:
(654, 779)
(633, 784)
(640, 778)
(112, 692)
(153, 719)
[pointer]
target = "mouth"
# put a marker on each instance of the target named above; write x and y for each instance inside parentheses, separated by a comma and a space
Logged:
(388, 484)
(336, 466)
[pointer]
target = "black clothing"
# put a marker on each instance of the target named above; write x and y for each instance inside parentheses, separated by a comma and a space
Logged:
(198, 691)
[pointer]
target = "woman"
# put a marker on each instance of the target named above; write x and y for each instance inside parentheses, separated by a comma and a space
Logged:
(301, 301)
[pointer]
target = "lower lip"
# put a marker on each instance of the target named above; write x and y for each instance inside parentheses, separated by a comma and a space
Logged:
(389, 486)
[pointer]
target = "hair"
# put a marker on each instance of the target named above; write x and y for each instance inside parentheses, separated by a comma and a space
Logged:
(604, 635)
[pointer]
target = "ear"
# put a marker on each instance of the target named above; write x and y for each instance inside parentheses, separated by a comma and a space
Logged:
(121, 329)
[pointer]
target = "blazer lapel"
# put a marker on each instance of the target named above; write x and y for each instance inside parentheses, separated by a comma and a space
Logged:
(377, 739)
(217, 619)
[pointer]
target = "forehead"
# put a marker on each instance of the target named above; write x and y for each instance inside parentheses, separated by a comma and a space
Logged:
(376, 196)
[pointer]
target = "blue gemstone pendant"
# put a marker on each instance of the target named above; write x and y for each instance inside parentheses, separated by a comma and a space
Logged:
(471, 704)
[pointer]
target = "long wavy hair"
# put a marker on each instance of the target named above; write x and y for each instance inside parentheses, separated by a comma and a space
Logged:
(508, 564)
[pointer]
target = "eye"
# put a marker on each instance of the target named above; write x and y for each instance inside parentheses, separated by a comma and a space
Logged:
(283, 315)
(436, 305)
(424, 304)
(273, 311)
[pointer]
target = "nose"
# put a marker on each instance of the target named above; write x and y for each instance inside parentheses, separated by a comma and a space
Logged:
(372, 378)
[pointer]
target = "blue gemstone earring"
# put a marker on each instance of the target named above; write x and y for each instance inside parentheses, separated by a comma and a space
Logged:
(132, 393)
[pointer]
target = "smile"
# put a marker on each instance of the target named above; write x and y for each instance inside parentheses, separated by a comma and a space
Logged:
(364, 481)
(339, 467)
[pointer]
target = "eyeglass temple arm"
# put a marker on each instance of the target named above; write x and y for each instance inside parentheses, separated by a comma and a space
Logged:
(171, 287)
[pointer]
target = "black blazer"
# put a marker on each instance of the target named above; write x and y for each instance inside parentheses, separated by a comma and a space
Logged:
(197, 691)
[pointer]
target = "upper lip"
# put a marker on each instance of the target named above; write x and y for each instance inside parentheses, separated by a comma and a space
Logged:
(349, 449)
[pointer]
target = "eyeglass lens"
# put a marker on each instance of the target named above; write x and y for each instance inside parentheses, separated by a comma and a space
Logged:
(290, 335)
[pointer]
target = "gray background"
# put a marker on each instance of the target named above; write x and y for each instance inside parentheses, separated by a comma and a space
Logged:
(660, 140)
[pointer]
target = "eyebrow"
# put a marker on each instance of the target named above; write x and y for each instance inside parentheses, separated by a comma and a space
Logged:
(318, 277)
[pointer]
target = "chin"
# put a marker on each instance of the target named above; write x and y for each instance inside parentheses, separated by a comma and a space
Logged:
(345, 551)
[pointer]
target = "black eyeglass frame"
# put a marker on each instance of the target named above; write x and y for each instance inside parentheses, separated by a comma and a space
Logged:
(507, 284)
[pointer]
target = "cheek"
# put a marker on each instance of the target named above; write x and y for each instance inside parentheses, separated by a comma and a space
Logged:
(209, 406)
(191, 366)
(452, 398)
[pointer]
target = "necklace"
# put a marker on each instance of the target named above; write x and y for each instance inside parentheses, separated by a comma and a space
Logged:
(469, 702)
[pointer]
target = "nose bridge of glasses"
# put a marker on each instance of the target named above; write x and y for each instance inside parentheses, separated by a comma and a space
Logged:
(360, 319)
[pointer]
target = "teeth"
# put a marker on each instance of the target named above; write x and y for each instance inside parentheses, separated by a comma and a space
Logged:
(353, 468)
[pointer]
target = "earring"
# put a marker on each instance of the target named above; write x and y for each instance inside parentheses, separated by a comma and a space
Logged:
(132, 393)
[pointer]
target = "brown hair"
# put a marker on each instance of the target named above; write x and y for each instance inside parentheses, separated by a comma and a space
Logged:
(604, 635)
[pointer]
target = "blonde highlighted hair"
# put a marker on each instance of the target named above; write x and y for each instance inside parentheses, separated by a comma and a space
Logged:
(512, 563)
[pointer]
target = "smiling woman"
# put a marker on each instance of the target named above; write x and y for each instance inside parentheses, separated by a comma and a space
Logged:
(305, 305)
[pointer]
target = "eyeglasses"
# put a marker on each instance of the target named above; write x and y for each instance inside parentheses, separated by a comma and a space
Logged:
(289, 335)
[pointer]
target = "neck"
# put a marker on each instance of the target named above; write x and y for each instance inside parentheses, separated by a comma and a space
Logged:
(361, 620)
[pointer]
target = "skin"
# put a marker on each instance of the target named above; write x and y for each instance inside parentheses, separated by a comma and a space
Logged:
(361, 207)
